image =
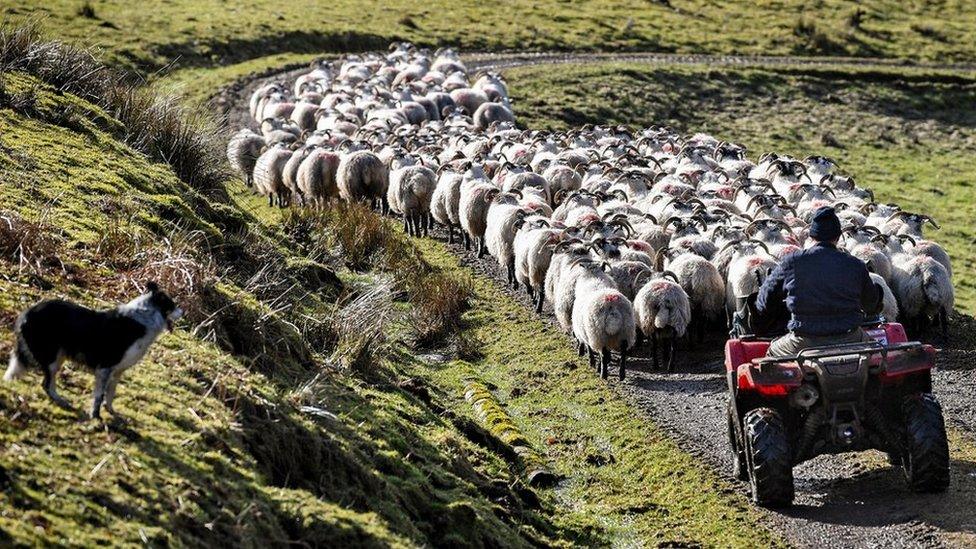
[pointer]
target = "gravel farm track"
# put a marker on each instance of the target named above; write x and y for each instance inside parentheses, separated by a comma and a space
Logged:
(842, 501)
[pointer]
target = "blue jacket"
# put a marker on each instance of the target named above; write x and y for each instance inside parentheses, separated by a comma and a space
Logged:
(827, 291)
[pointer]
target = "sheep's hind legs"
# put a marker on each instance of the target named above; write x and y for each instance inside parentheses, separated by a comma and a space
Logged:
(605, 363)
(542, 298)
(654, 363)
(623, 361)
(944, 324)
(670, 350)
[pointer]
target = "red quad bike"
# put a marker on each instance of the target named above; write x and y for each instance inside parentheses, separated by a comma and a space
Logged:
(829, 400)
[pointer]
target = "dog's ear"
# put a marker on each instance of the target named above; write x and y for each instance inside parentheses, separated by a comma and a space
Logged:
(152, 287)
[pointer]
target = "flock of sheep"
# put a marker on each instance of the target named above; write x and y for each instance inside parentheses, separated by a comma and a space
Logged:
(626, 234)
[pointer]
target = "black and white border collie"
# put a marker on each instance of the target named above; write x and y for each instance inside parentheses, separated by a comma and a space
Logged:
(109, 342)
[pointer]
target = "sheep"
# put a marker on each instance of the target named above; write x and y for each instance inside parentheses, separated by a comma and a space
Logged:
(362, 176)
(603, 318)
(747, 272)
(704, 286)
(488, 113)
(533, 245)
(289, 174)
(269, 172)
(924, 292)
(629, 276)
(445, 202)
(473, 207)
(316, 178)
(243, 151)
(662, 311)
(468, 99)
(409, 194)
(504, 216)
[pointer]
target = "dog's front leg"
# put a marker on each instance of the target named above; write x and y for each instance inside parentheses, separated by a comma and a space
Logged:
(113, 383)
(102, 376)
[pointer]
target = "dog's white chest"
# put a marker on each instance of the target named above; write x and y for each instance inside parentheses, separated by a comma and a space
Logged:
(136, 351)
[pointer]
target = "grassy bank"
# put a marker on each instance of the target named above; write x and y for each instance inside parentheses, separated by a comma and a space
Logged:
(157, 33)
(909, 140)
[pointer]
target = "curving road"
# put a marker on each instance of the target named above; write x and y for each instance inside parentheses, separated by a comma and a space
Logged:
(842, 501)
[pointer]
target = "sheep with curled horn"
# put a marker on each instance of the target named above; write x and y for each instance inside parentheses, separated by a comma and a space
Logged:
(911, 224)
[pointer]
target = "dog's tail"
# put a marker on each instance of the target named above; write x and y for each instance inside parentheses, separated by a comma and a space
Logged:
(20, 356)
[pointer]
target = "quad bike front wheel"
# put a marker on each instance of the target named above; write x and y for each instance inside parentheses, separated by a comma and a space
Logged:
(769, 459)
(926, 459)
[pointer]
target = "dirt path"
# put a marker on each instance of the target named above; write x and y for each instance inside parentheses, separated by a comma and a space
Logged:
(499, 61)
(842, 501)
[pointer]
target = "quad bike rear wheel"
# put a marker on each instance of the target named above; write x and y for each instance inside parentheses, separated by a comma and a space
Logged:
(926, 459)
(769, 460)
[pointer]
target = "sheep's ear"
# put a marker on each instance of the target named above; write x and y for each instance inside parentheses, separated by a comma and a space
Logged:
(152, 287)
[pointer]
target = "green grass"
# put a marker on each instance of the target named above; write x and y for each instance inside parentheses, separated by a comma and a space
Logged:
(155, 33)
(242, 432)
(911, 140)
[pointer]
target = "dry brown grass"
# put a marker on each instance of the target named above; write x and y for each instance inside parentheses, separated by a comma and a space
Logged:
(438, 302)
(34, 245)
(360, 324)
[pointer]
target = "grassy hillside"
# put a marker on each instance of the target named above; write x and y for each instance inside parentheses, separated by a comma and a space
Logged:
(317, 392)
(908, 138)
(155, 33)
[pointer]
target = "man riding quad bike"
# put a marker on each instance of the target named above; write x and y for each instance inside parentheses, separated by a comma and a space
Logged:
(835, 382)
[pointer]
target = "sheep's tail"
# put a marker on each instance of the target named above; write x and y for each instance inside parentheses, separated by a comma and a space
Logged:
(613, 322)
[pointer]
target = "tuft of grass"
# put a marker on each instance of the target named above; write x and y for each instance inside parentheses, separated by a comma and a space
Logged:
(360, 324)
(364, 241)
(438, 301)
